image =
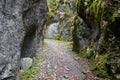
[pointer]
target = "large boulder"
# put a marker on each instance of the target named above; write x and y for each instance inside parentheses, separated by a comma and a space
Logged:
(21, 25)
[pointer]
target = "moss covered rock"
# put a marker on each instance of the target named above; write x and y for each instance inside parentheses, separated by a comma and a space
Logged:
(99, 30)
(61, 11)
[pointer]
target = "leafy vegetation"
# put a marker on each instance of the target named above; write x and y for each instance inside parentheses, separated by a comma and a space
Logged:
(69, 20)
(34, 69)
(52, 6)
(99, 66)
(31, 72)
(67, 9)
(102, 15)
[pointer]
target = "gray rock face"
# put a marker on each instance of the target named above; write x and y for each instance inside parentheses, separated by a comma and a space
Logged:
(52, 30)
(63, 15)
(81, 36)
(67, 32)
(21, 23)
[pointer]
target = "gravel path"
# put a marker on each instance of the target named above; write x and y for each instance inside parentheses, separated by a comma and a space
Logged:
(59, 64)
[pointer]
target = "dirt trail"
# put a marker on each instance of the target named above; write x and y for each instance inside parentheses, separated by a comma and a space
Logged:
(59, 64)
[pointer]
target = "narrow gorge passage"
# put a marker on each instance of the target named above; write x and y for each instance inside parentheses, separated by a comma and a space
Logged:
(59, 64)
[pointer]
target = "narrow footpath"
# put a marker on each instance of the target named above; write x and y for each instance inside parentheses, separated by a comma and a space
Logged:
(60, 64)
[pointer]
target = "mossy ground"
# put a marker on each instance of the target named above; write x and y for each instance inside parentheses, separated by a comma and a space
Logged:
(98, 63)
(61, 42)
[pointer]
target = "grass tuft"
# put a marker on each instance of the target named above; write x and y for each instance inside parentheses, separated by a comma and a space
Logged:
(31, 72)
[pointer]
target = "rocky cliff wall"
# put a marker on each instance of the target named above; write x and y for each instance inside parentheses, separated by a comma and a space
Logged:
(21, 24)
(61, 12)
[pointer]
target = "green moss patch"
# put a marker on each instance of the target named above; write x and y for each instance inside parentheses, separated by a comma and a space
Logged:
(99, 66)
(60, 41)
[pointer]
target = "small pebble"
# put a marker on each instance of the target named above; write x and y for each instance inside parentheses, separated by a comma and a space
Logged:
(77, 58)
(66, 76)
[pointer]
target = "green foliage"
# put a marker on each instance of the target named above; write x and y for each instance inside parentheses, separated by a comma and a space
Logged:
(80, 7)
(51, 14)
(115, 14)
(67, 9)
(86, 53)
(99, 66)
(69, 20)
(95, 13)
(99, 62)
(31, 72)
(72, 29)
(28, 74)
(96, 9)
(76, 21)
(51, 4)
